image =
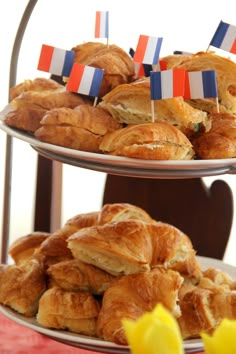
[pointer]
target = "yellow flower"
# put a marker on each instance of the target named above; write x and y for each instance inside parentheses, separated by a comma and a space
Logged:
(223, 340)
(155, 332)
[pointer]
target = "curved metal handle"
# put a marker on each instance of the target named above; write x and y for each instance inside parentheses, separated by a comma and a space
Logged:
(8, 156)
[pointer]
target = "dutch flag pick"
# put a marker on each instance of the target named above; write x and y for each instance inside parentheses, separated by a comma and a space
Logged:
(225, 37)
(148, 50)
(102, 24)
(167, 83)
(200, 84)
(55, 60)
(85, 80)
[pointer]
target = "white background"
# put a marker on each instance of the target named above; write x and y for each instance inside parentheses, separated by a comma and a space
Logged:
(184, 25)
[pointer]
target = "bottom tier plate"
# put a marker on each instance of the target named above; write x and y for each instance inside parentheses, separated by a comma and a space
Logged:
(96, 344)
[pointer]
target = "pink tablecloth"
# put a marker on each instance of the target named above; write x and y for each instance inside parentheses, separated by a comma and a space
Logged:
(17, 339)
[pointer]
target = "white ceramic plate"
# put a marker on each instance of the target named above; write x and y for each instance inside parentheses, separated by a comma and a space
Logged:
(96, 344)
(124, 165)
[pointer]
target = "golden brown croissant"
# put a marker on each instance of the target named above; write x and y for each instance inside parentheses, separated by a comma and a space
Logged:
(37, 84)
(21, 286)
(54, 249)
(75, 311)
(122, 247)
(132, 295)
(24, 247)
(173, 249)
(74, 275)
(220, 141)
(25, 119)
(81, 128)
(131, 104)
(117, 64)
(48, 99)
(154, 141)
(225, 73)
(122, 211)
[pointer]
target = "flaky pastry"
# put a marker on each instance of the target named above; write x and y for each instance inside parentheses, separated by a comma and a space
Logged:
(132, 295)
(154, 141)
(81, 128)
(25, 119)
(21, 286)
(131, 104)
(75, 311)
(117, 64)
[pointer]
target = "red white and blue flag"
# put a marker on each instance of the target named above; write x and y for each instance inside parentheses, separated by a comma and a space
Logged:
(102, 24)
(56, 61)
(225, 37)
(167, 83)
(85, 79)
(200, 84)
(148, 50)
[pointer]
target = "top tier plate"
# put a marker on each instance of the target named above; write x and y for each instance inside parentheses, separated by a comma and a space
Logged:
(170, 169)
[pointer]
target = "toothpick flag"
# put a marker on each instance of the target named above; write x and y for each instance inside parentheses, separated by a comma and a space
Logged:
(200, 84)
(102, 24)
(225, 37)
(85, 80)
(148, 50)
(167, 83)
(55, 60)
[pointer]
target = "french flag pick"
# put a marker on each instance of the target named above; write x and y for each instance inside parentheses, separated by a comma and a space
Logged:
(85, 79)
(102, 24)
(167, 83)
(200, 84)
(56, 61)
(148, 50)
(225, 37)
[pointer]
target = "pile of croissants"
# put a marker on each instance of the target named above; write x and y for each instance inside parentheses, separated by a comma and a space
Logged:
(122, 123)
(101, 267)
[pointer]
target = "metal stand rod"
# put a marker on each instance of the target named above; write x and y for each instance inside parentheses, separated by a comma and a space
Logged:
(8, 157)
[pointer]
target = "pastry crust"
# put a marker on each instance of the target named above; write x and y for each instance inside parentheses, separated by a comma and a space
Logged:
(21, 286)
(122, 247)
(24, 247)
(81, 128)
(133, 295)
(117, 64)
(25, 119)
(37, 84)
(48, 99)
(74, 275)
(122, 211)
(154, 141)
(75, 311)
(131, 104)
(220, 141)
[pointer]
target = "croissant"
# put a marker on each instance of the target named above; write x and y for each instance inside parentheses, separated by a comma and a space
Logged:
(220, 141)
(81, 128)
(74, 275)
(54, 249)
(154, 141)
(117, 64)
(21, 286)
(131, 104)
(24, 247)
(37, 84)
(132, 295)
(48, 99)
(75, 311)
(225, 74)
(122, 247)
(25, 119)
(122, 211)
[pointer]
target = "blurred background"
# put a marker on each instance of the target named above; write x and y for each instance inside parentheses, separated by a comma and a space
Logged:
(183, 25)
